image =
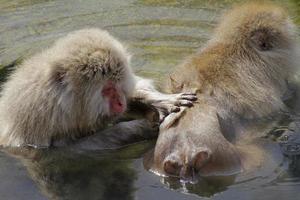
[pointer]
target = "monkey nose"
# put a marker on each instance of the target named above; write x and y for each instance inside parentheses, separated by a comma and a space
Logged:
(185, 168)
(199, 159)
(172, 166)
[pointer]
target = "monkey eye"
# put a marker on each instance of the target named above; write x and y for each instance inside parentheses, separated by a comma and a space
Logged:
(108, 89)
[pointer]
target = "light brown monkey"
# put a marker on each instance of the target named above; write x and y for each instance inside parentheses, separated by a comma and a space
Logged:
(74, 88)
(241, 78)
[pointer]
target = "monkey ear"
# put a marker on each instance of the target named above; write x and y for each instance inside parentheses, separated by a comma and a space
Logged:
(262, 39)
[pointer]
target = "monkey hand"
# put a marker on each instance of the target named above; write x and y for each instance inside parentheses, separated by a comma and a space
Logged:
(171, 119)
(167, 104)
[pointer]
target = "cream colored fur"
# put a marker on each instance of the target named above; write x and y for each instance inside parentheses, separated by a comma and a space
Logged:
(58, 91)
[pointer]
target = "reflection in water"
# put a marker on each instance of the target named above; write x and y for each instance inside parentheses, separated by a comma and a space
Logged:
(67, 175)
(159, 33)
(263, 166)
(202, 186)
(84, 179)
(290, 144)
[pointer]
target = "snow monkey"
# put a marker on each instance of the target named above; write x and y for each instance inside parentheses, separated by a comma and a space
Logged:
(241, 77)
(81, 83)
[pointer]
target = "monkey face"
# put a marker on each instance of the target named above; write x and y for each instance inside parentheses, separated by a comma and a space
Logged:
(94, 80)
(115, 97)
(195, 146)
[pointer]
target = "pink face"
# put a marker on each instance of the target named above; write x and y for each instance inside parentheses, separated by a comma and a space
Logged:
(116, 98)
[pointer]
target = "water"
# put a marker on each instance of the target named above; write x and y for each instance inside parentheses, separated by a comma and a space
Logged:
(159, 34)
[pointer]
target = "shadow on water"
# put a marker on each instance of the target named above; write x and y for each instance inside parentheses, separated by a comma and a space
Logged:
(159, 33)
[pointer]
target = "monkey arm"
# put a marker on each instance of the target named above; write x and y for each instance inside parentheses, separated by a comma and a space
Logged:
(165, 104)
(117, 136)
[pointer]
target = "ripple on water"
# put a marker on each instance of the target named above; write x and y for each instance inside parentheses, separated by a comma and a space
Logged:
(159, 33)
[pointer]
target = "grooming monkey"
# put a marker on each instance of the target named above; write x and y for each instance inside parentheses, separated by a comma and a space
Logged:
(81, 83)
(241, 77)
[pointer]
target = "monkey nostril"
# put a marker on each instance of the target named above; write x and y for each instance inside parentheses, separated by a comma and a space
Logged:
(200, 159)
(171, 167)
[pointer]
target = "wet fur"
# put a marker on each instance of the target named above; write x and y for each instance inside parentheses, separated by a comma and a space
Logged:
(241, 77)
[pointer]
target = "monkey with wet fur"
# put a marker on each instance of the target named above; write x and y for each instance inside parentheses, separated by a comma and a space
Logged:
(81, 83)
(241, 77)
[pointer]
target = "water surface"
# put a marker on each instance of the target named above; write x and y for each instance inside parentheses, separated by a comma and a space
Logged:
(159, 34)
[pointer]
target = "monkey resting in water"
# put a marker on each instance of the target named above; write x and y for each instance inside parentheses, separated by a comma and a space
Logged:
(241, 77)
(74, 88)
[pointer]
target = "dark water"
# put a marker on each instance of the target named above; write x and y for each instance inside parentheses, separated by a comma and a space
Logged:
(159, 33)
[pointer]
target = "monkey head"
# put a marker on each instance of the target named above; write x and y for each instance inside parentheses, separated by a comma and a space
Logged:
(194, 146)
(242, 71)
(115, 97)
(92, 77)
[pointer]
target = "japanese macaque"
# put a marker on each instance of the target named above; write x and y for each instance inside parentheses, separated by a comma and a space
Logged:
(76, 87)
(241, 78)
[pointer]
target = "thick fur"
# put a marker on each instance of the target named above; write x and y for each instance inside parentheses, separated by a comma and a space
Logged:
(245, 66)
(57, 93)
(241, 77)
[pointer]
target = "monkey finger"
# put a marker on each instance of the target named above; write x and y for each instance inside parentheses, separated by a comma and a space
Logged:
(189, 93)
(174, 109)
(183, 102)
(168, 121)
(171, 119)
(188, 96)
(167, 110)
(170, 108)
(162, 115)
